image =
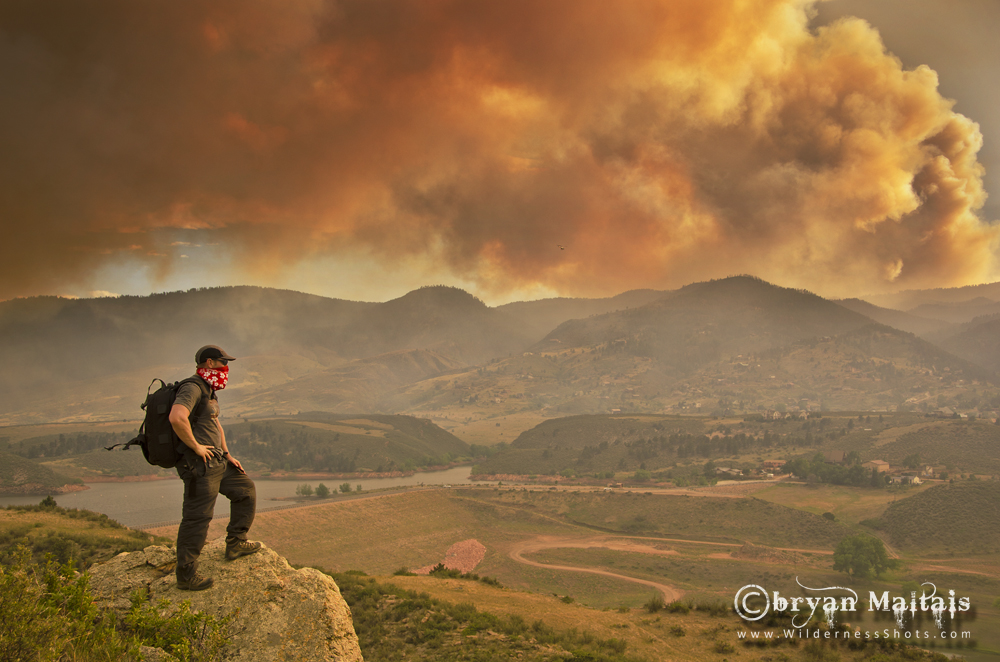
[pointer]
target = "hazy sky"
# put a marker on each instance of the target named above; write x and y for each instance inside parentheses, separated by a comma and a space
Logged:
(363, 148)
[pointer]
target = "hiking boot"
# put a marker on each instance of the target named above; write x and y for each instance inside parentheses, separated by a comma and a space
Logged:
(196, 583)
(237, 548)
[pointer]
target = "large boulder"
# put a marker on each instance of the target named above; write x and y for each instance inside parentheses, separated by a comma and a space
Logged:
(281, 613)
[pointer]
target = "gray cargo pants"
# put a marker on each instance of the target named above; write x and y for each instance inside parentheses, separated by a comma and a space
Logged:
(202, 486)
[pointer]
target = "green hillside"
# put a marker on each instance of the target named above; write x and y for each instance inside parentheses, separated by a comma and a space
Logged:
(964, 446)
(81, 536)
(344, 443)
(960, 517)
(20, 475)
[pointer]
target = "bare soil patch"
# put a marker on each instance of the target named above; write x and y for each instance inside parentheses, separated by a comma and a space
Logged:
(462, 556)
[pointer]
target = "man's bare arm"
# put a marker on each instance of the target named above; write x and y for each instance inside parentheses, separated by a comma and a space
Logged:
(182, 426)
(225, 449)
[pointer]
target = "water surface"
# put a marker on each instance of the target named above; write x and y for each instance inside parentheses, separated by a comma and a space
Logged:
(145, 503)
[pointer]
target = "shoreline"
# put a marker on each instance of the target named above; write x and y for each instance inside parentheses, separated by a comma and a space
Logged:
(34, 489)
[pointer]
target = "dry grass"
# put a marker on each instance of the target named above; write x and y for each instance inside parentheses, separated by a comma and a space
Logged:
(850, 504)
(646, 635)
(483, 429)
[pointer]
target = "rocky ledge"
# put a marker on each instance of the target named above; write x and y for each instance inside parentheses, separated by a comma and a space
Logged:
(280, 613)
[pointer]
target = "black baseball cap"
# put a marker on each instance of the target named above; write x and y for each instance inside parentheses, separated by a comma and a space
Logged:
(211, 352)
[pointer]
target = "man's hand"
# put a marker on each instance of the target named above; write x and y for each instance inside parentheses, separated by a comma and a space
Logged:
(236, 463)
(204, 452)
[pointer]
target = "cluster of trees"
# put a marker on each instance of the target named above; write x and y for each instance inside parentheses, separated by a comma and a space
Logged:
(817, 469)
(862, 556)
(293, 448)
(322, 491)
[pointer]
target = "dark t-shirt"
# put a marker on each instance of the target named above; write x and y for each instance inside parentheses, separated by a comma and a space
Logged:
(206, 427)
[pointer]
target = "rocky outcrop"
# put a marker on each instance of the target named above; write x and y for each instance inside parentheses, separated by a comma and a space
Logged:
(280, 613)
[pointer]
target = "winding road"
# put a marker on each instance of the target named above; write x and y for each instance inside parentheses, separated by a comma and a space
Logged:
(669, 593)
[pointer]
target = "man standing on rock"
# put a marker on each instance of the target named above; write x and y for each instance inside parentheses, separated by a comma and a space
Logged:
(207, 470)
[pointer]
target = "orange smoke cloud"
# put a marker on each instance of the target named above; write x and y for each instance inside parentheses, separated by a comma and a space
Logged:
(658, 142)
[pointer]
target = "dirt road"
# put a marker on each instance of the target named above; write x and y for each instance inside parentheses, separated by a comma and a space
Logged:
(639, 545)
(670, 593)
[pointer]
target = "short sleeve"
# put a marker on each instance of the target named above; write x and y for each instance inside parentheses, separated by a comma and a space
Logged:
(188, 395)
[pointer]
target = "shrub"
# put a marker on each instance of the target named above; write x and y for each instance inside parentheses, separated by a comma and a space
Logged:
(654, 604)
(677, 607)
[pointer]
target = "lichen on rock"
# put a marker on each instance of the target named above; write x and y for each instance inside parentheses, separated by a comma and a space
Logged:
(279, 613)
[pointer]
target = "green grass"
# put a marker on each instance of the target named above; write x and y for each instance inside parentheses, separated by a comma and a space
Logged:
(47, 614)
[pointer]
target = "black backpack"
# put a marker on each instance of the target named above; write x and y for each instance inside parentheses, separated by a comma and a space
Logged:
(160, 444)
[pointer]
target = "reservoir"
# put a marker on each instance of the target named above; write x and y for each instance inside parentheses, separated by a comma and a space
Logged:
(142, 504)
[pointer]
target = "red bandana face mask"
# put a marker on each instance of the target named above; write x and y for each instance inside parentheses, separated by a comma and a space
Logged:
(216, 378)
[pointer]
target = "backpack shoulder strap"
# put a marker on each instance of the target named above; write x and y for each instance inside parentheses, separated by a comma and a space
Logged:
(206, 395)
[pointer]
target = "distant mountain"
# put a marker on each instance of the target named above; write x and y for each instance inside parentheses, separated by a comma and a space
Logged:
(707, 321)
(727, 346)
(362, 385)
(910, 299)
(94, 357)
(958, 312)
(736, 344)
(541, 316)
(897, 319)
(978, 342)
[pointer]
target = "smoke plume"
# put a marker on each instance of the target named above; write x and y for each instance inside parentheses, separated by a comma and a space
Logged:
(585, 146)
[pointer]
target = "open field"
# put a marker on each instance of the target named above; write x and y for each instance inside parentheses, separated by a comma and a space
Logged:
(850, 505)
(485, 428)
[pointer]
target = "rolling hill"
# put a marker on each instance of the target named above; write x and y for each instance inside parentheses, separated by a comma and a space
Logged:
(957, 516)
(319, 442)
(897, 319)
(977, 341)
(736, 344)
(543, 315)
